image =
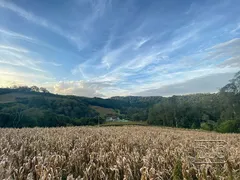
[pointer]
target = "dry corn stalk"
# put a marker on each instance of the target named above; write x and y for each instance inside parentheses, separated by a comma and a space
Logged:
(109, 153)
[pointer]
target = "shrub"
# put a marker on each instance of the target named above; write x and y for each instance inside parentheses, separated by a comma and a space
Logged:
(228, 126)
(206, 126)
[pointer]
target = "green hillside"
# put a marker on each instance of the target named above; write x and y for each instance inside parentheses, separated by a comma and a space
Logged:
(32, 106)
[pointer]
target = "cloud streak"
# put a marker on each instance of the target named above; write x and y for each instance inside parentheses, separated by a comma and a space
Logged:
(37, 20)
(15, 35)
(17, 49)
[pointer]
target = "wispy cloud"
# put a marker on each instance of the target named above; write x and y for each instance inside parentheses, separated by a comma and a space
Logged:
(27, 64)
(235, 30)
(37, 20)
(98, 8)
(142, 42)
(77, 70)
(15, 35)
(227, 44)
(17, 49)
(52, 63)
(17, 56)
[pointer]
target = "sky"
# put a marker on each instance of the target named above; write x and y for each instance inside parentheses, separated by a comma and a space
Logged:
(104, 48)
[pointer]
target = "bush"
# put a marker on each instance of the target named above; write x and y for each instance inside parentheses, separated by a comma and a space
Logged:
(206, 126)
(194, 126)
(209, 125)
(229, 126)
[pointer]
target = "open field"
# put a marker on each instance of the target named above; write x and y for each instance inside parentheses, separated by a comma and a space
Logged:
(11, 97)
(128, 153)
(103, 111)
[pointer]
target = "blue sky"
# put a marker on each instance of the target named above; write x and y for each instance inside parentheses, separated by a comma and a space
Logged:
(119, 47)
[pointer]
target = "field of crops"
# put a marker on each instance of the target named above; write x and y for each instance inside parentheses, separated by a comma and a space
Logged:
(113, 153)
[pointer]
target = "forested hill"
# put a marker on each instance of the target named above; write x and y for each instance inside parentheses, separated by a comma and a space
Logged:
(32, 106)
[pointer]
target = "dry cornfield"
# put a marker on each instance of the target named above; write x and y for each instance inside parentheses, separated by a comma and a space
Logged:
(112, 153)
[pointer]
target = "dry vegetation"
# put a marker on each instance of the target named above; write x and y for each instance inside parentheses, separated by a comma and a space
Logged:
(111, 153)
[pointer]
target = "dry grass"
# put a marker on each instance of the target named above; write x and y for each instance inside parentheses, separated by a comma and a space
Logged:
(111, 153)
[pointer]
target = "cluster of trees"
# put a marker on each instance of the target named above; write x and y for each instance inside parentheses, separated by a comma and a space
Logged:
(134, 108)
(25, 89)
(220, 111)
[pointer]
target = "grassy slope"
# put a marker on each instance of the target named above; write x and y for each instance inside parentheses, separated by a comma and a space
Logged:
(11, 97)
(103, 111)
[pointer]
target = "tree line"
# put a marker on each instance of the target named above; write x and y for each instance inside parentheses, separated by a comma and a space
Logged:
(219, 111)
